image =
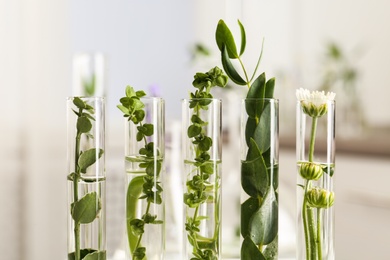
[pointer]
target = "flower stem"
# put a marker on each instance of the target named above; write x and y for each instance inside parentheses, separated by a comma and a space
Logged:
(319, 241)
(304, 218)
(312, 138)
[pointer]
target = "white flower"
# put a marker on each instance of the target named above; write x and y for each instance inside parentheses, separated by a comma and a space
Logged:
(314, 103)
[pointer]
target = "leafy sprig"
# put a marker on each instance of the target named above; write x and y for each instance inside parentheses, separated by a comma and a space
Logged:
(148, 186)
(199, 186)
(84, 210)
(259, 213)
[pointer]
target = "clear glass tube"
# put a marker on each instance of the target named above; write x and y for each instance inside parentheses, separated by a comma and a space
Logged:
(259, 178)
(86, 178)
(315, 176)
(202, 158)
(144, 164)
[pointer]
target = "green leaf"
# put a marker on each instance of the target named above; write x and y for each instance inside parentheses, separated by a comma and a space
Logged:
(269, 88)
(87, 208)
(130, 92)
(149, 129)
(83, 253)
(78, 102)
(124, 109)
(248, 208)
(262, 134)
(263, 226)
(84, 125)
(229, 68)
(134, 191)
(254, 177)
(88, 158)
(249, 251)
(257, 88)
(271, 251)
(250, 128)
(97, 255)
(253, 151)
(243, 38)
(140, 93)
(224, 37)
(193, 130)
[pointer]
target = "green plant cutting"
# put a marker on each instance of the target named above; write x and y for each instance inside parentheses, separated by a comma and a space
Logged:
(146, 185)
(200, 189)
(85, 209)
(314, 105)
(259, 212)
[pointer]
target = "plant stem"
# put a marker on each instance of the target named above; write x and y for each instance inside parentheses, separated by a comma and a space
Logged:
(304, 218)
(140, 236)
(76, 196)
(312, 138)
(319, 240)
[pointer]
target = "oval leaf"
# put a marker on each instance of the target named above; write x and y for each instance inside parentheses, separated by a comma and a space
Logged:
(248, 208)
(229, 68)
(250, 128)
(254, 177)
(87, 208)
(249, 251)
(224, 37)
(263, 226)
(262, 134)
(257, 89)
(88, 158)
(84, 125)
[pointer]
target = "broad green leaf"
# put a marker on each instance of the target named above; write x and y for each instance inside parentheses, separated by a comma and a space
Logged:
(257, 88)
(229, 68)
(271, 251)
(97, 255)
(86, 209)
(88, 158)
(250, 129)
(269, 88)
(248, 208)
(249, 251)
(254, 177)
(253, 151)
(224, 37)
(79, 103)
(262, 134)
(263, 226)
(243, 38)
(84, 125)
(193, 130)
(149, 129)
(134, 191)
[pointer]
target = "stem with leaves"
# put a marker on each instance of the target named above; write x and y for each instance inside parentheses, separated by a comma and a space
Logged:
(146, 187)
(199, 185)
(86, 209)
(259, 213)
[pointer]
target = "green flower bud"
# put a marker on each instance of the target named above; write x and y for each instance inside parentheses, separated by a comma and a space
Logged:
(319, 198)
(312, 110)
(311, 171)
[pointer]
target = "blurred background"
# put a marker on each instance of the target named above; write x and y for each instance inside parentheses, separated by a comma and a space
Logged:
(48, 47)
